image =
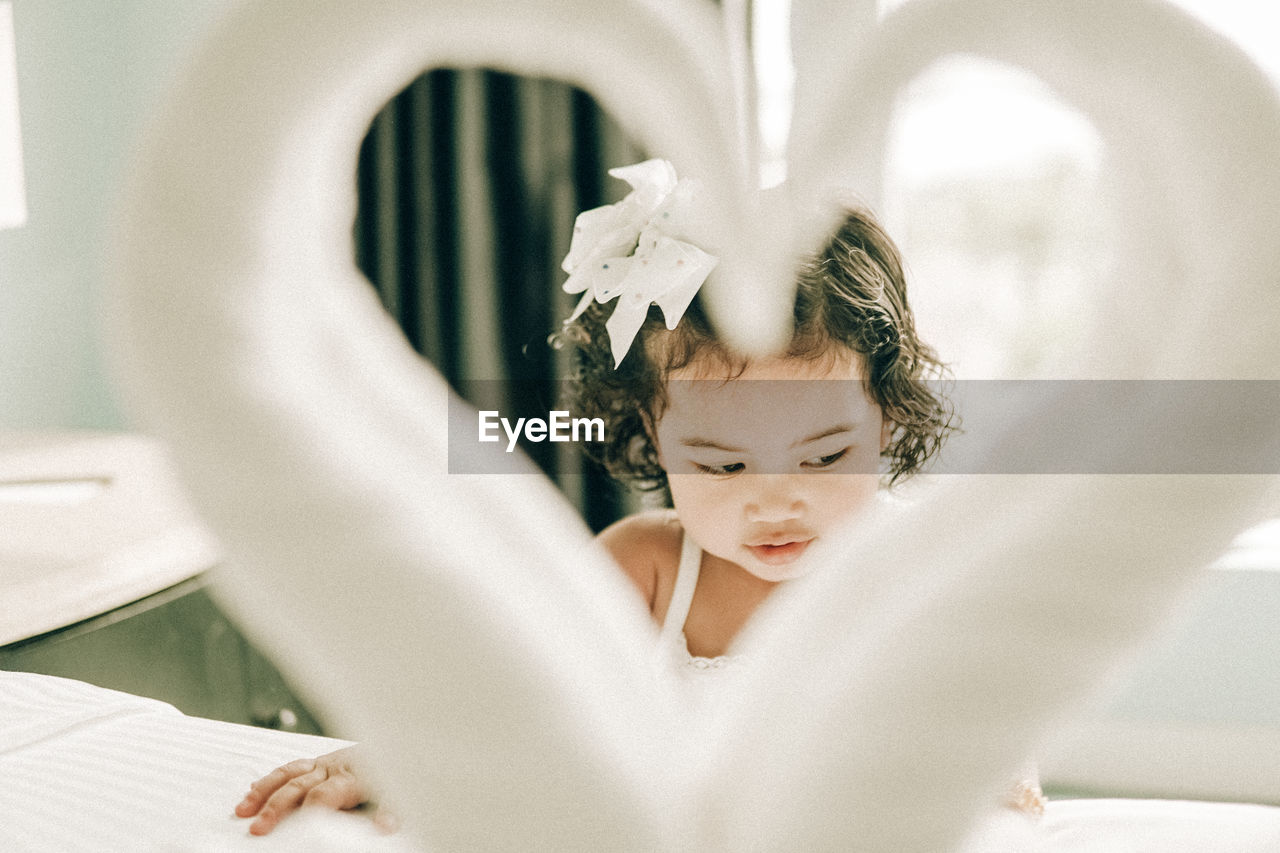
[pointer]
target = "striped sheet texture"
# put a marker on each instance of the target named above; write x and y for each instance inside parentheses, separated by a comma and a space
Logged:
(88, 769)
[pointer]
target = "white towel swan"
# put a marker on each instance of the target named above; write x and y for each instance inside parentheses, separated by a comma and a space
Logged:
(504, 691)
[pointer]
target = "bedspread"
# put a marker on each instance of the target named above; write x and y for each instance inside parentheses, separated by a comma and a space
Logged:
(90, 769)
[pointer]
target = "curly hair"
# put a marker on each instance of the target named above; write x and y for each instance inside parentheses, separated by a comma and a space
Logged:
(850, 296)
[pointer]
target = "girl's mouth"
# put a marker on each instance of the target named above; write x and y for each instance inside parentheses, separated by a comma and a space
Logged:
(779, 555)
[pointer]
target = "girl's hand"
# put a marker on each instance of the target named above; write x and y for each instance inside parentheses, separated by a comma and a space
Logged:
(329, 781)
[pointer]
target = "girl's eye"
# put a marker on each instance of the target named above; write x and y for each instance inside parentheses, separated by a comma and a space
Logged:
(720, 470)
(825, 461)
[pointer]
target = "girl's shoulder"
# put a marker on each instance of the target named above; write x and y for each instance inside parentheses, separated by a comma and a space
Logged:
(647, 548)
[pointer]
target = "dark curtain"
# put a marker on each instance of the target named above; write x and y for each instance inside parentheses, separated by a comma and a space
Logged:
(469, 182)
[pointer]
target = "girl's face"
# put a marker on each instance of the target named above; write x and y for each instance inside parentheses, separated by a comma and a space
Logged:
(762, 465)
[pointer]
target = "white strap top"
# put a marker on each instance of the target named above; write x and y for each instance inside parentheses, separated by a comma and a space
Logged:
(672, 639)
(1025, 796)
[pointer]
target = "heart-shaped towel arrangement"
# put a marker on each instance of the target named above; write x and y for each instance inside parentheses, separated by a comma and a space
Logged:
(493, 661)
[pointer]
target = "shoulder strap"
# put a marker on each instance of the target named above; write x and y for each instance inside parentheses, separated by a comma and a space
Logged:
(682, 595)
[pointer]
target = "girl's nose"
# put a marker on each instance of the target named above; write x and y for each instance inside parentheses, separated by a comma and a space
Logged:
(775, 498)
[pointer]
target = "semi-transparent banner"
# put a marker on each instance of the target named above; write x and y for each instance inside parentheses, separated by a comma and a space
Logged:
(982, 426)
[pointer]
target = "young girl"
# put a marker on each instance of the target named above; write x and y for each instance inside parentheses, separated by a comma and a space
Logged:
(758, 458)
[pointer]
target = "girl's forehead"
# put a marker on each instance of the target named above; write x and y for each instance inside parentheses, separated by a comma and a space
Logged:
(772, 402)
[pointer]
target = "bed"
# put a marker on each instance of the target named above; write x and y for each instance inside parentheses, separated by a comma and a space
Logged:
(90, 769)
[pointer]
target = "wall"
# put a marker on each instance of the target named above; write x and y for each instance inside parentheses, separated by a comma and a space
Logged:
(88, 75)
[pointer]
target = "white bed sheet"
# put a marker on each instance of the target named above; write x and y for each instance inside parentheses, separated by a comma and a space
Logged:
(90, 769)
(1159, 826)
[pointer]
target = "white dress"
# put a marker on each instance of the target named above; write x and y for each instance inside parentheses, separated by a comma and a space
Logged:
(700, 674)
(703, 675)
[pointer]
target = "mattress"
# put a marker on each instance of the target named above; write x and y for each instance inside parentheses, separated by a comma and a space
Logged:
(89, 769)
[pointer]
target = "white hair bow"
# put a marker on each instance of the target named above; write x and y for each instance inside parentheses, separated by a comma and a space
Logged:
(634, 250)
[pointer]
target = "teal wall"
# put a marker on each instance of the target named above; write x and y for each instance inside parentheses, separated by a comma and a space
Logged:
(88, 75)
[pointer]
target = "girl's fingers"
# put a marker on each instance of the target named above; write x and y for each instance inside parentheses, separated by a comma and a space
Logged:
(260, 790)
(340, 791)
(287, 798)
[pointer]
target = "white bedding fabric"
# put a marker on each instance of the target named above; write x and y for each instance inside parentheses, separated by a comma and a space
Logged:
(89, 769)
